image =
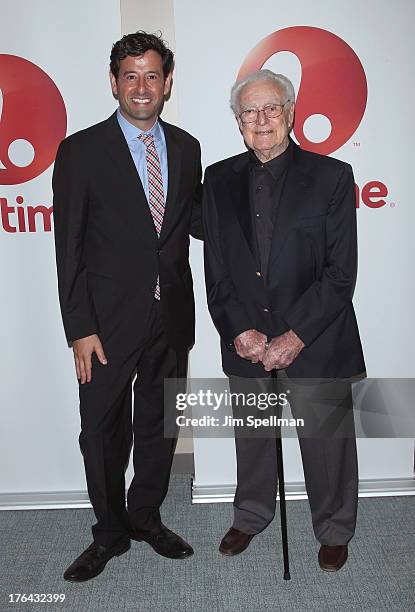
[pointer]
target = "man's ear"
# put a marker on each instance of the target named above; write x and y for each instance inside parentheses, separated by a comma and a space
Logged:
(167, 83)
(291, 115)
(114, 87)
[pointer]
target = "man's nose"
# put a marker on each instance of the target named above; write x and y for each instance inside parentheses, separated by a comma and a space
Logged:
(262, 119)
(141, 84)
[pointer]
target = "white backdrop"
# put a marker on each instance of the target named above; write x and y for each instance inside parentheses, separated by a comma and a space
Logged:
(39, 454)
(38, 392)
(208, 61)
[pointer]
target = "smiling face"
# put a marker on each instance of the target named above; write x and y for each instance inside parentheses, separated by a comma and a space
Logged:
(268, 137)
(140, 88)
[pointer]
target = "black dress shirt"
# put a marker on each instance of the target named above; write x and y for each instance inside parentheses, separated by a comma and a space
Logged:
(266, 187)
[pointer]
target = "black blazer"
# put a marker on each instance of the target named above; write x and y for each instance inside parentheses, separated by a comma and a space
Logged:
(107, 251)
(312, 264)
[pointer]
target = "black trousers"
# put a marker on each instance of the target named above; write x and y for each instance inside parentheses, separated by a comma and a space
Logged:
(108, 431)
(328, 451)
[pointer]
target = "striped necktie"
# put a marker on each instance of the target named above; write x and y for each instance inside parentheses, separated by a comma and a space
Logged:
(155, 189)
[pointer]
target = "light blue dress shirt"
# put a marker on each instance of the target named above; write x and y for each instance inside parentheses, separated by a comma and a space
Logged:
(138, 150)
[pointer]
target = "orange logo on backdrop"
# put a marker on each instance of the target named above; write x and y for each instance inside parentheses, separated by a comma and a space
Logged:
(32, 110)
(333, 84)
(33, 117)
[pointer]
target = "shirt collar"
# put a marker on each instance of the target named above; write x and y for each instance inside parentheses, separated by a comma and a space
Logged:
(131, 132)
(275, 166)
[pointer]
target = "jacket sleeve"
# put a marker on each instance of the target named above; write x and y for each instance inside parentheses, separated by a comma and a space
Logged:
(196, 225)
(325, 299)
(228, 313)
(70, 206)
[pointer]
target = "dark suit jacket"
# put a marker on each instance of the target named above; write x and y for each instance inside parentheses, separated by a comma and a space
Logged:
(107, 251)
(312, 264)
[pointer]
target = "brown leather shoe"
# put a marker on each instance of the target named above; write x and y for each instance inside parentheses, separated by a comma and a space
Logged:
(234, 542)
(332, 558)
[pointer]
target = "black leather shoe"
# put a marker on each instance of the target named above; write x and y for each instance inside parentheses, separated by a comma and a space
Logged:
(164, 542)
(93, 561)
(234, 542)
(332, 558)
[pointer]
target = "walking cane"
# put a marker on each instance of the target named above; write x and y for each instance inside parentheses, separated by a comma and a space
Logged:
(281, 490)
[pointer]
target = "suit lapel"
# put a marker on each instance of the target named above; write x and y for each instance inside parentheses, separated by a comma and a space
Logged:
(293, 202)
(132, 194)
(239, 187)
(174, 163)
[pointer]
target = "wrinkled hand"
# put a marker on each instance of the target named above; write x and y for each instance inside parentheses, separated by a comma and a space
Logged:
(282, 351)
(250, 345)
(82, 351)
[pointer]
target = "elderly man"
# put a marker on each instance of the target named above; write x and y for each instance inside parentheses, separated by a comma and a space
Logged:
(280, 259)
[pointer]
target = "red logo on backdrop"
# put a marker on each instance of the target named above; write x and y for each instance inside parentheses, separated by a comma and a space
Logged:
(32, 115)
(333, 82)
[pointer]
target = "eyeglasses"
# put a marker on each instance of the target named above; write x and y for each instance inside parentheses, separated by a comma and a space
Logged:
(270, 110)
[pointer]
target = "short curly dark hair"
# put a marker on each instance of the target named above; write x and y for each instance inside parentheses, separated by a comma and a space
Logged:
(136, 44)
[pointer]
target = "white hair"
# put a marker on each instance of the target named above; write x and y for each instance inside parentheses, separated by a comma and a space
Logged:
(284, 84)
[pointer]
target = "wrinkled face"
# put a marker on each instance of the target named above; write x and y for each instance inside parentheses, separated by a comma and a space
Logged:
(140, 88)
(267, 136)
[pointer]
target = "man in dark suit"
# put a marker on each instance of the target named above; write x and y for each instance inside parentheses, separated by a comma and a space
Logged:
(126, 198)
(280, 260)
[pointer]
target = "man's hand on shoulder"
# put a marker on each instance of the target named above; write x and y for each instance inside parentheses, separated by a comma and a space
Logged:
(250, 345)
(82, 350)
(282, 350)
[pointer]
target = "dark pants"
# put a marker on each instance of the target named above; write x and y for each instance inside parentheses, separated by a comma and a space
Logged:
(108, 430)
(328, 450)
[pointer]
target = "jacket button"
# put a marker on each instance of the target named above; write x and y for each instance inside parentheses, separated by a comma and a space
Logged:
(266, 310)
(258, 273)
